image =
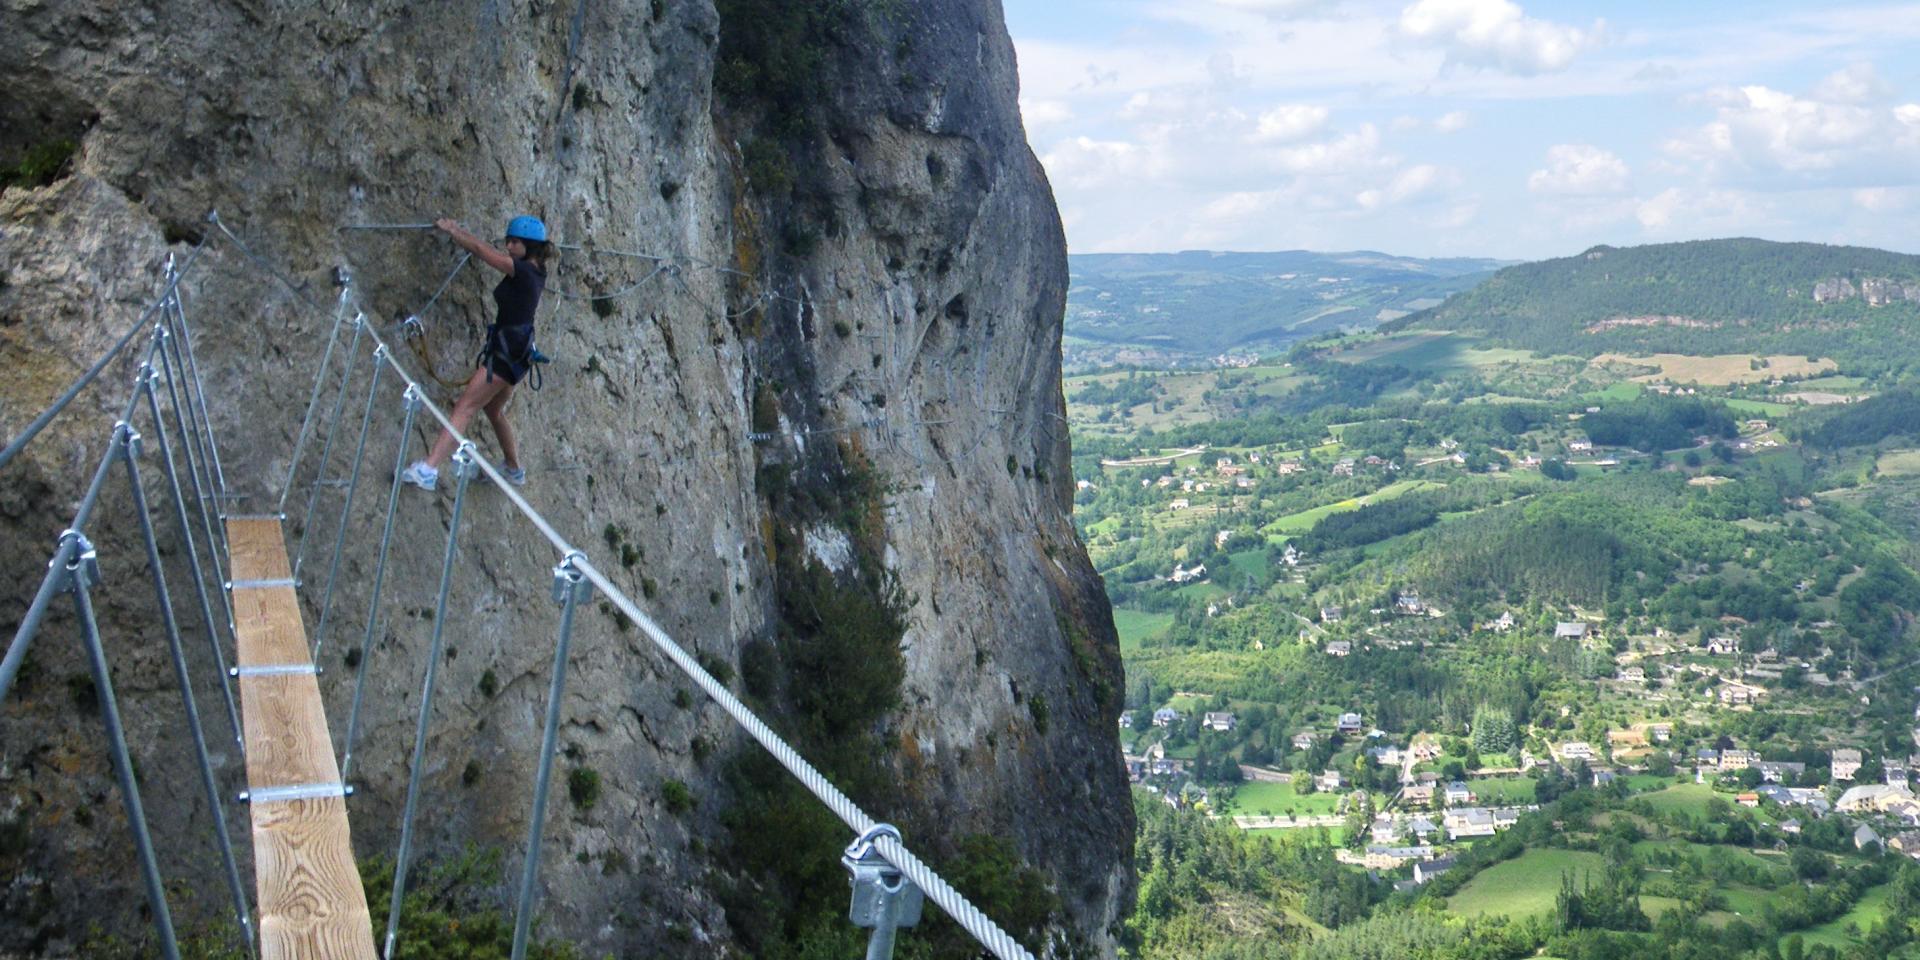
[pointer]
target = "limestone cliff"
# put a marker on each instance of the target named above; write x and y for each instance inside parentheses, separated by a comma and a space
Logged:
(826, 449)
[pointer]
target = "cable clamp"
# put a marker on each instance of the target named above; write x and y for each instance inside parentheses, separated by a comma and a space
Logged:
(83, 564)
(342, 278)
(883, 898)
(466, 463)
(567, 576)
(412, 398)
(128, 437)
(379, 354)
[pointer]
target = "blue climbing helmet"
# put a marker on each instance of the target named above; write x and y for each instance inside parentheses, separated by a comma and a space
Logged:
(527, 228)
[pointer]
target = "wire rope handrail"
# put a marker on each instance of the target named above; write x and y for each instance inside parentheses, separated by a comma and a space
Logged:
(72, 566)
(982, 927)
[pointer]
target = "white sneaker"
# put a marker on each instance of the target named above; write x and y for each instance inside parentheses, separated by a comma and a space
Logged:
(515, 475)
(421, 475)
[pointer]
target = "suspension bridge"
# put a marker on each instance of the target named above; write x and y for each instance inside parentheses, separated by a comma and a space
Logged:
(307, 900)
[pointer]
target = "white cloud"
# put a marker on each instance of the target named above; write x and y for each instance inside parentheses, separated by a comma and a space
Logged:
(1277, 9)
(1406, 185)
(1857, 84)
(1290, 122)
(1882, 199)
(1578, 169)
(1451, 122)
(1085, 162)
(1344, 154)
(1681, 212)
(1496, 34)
(1758, 131)
(1039, 114)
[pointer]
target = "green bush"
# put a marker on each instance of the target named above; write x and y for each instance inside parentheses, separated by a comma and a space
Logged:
(676, 797)
(583, 785)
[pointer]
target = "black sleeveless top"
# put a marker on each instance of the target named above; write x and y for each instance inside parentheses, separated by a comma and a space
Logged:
(518, 296)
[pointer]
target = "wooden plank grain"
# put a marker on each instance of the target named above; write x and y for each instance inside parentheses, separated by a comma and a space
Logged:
(311, 903)
(286, 729)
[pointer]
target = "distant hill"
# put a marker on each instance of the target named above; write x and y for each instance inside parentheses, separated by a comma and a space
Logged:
(1858, 305)
(1203, 303)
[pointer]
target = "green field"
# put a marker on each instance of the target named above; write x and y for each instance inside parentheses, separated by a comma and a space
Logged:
(1329, 835)
(1304, 520)
(1763, 408)
(1688, 798)
(1526, 885)
(1248, 563)
(1261, 798)
(1871, 909)
(1624, 390)
(1502, 791)
(1138, 626)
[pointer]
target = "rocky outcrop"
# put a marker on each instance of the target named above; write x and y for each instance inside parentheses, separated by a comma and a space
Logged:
(827, 451)
(1876, 291)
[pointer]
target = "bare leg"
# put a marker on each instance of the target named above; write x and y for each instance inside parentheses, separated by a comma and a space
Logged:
(496, 410)
(479, 391)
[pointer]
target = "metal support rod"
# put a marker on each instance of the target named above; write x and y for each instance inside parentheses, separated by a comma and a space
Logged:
(444, 284)
(46, 416)
(411, 400)
(81, 570)
(56, 569)
(197, 459)
(326, 449)
(185, 332)
(346, 505)
(214, 548)
(463, 469)
(148, 376)
(172, 627)
(313, 400)
(570, 586)
(23, 637)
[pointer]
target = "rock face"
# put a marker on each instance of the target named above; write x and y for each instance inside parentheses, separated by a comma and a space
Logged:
(824, 449)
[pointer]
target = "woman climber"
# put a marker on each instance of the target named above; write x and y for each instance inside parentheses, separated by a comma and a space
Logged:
(509, 348)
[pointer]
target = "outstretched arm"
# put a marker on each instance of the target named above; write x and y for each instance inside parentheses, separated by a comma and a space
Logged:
(487, 252)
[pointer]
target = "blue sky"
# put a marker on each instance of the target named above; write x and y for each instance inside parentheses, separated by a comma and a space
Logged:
(1472, 127)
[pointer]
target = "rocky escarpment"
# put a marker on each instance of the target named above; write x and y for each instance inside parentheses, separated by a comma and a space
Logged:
(826, 451)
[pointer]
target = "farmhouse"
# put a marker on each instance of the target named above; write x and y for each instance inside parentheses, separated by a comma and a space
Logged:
(1218, 721)
(1633, 674)
(1409, 604)
(1330, 614)
(1846, 763)
(1458, 793)
(1424, 872)
(1417, 795)
(1576, 750)
(1330, 780)
(1303, 740)
(1570, 630)
(1736, 759)
(1164, 716)
(1734, 693)
(1182, 575)
(1339, 648)
(1349, 723)
(1180, 504)
(1779, 771)
(1503, 624)
(1469, 822)
(1723, 646)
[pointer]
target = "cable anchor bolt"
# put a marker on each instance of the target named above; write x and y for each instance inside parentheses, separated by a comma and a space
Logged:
(884, 900)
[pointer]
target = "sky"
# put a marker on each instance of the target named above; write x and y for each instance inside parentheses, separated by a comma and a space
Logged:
(1487, 128)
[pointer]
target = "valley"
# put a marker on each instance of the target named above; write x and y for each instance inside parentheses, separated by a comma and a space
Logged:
(1467, 637)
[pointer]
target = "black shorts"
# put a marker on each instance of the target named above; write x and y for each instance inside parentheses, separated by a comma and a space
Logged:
(508, 353)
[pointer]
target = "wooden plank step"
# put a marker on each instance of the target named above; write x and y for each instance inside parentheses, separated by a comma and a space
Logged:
(309, 895)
